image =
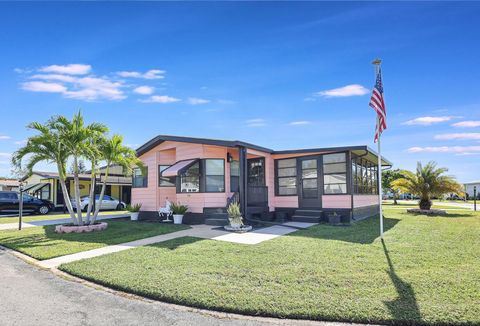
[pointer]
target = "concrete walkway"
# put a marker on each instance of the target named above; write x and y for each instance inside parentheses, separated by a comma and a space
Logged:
(11, 226)
(198, 231)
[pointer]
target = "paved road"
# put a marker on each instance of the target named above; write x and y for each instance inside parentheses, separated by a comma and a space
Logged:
(29, 296)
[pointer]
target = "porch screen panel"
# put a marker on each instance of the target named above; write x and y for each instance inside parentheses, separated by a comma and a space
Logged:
(190, 179)
(287, 177)
(335, 173)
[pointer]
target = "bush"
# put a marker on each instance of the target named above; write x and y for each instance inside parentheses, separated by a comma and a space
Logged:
(179, 209)
(234, 214)
(135, 208)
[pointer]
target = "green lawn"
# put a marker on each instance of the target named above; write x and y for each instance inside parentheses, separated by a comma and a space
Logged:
(43, 243)
(31, 218)
(412, 204)
(427, 272)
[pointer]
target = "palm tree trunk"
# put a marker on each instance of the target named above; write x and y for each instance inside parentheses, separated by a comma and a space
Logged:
(102, 192)
(66, 196)
(91, 196)
(77, 190)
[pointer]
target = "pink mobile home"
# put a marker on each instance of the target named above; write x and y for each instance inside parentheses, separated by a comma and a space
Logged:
(298, 184)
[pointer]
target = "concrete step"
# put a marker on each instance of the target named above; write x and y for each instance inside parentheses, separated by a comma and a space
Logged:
(214, 210)
(308, 219)
(216, 221)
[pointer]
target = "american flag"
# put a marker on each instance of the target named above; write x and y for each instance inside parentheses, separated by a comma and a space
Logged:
(378, 104)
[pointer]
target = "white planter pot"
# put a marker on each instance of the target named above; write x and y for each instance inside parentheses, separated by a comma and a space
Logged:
(134, 216)
(177, 219)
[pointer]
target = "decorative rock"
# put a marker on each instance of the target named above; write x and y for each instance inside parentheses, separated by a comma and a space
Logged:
(238, 229)
(80, 229)
(427, 211)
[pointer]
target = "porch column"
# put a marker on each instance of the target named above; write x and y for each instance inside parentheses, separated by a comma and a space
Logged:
(242, 158)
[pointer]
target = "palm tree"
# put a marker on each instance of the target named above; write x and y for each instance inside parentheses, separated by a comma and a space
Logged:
(46, 147)
(427, 182)
(77, 139)
(114, 152)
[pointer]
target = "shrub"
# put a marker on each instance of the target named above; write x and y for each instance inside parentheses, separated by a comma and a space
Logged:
(234, 214)
(135, 208)
(179, 209)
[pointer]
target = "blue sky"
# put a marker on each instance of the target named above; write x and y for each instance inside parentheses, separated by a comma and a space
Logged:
(281, 75)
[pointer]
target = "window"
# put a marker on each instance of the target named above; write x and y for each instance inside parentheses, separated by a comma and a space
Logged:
(214, 175)
(139, 179)
(335, 173)
(256, 172)
(190, 179)
(234, 176)
(287, 177)
(165, 181)
(364, 174)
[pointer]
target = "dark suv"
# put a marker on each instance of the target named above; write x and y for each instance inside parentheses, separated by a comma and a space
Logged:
(9, 202)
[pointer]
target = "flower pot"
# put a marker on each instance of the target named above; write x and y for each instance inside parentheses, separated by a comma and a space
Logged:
(334, 218)
(177, 219)
(134, 216)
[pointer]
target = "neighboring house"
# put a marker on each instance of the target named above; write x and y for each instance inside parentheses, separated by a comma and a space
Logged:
(469, 188)
(45, 185)
(205, 173)
(9, 184)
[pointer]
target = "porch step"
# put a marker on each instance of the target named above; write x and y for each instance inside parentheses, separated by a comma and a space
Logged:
(214, 210)
(308, 219)
(216, 221)
(308, 212)
(307, 215)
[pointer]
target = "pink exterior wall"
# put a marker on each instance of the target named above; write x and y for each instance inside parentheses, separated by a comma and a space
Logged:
(336, 201)
(153, 197)
(365, 200)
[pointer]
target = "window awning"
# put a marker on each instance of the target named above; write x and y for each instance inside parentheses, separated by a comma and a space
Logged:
(34, 187)
(173, 170)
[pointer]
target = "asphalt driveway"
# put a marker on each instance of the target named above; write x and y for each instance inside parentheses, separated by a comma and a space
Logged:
(30, 296)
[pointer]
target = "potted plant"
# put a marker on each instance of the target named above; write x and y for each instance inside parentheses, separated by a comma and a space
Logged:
(134, 211)
(234, 215)
(178, 211)
(333, 218)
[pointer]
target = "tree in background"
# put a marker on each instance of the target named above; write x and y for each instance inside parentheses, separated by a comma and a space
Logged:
(387, 178)
(427, 181)
(82, 168)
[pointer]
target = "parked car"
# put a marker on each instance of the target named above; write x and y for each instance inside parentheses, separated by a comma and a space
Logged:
(9, 203)
(108, 203)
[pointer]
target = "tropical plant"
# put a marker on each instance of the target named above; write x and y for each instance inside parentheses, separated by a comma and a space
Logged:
(234, 213)
(113, 151)
(77, 139)
(178, 209)
(388, 177)
(135, 208)
(46, 146)
(428, 181)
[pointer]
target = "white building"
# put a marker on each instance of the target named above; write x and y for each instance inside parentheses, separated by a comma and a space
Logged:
(469, 188)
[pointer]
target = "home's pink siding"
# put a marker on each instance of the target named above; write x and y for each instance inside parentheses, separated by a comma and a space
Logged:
(337, 201)
(365, 200)
(286, 201)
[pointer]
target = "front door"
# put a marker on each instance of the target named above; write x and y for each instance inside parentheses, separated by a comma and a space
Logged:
(309, 182)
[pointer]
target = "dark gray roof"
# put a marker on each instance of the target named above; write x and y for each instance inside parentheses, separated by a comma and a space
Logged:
(236, 143)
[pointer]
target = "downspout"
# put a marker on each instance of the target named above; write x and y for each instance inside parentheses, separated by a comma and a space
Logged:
(242, 158)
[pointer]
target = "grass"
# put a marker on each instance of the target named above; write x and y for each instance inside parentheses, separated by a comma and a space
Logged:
(426, 272)
(31, 218)
(43, 243)
(413, 204)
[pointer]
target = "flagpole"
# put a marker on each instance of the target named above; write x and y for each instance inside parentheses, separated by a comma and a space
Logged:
(377, 63)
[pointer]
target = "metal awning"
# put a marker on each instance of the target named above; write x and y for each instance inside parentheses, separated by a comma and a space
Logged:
(34, 187)
(173, 170)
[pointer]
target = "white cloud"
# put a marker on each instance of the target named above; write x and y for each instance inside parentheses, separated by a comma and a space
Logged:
(93, 88)
(309, 99)
(144, 90)
(39, 86)
(459, 136)
(197, 101)
(467, 124)
(57, 77)
(20, 142)
(70, 69)
(425, 121)
(300, 123)
(161, 99)
(150, 74)
(458, 150)
(222, 101)
(5, 155)
(348, 90)
(5, 137)
(4, 162)
(256, 122)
